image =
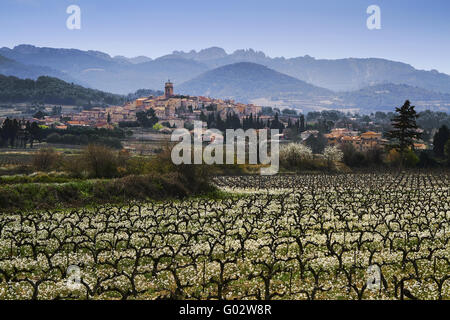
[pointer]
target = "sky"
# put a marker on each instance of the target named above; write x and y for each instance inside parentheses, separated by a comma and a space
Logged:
(412, 31)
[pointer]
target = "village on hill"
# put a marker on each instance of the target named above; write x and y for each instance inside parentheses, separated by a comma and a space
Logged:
(169, 108)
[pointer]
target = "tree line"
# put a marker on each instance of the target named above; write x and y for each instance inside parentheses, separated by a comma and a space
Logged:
(16, 133)
(232, 121)
(19, 133)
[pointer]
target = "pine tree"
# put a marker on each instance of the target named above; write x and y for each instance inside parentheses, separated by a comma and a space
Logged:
(404, 131)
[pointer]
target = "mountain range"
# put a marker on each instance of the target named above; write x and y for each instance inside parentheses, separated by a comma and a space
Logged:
(10, 67)
(337, 75)
(244, 75)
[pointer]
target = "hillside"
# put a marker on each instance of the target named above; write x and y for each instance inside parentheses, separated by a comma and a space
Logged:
(384, 96)
(10, 67)
(354, 74)
(52, 90)
(244, 81)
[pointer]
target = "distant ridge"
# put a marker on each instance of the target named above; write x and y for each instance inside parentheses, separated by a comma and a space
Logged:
(384, 96)
(10, 67)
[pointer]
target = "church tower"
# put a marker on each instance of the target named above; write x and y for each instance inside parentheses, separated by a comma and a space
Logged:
(168, 89)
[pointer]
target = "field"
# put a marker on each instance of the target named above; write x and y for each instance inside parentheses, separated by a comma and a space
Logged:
(284, 237)
(15, 158)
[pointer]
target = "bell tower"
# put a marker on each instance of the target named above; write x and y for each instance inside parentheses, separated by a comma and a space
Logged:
(168, 89)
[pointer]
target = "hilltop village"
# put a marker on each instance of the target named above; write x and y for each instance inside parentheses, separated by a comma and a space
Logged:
(172, 109)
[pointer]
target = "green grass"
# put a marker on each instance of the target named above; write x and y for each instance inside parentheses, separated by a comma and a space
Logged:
(66, 192)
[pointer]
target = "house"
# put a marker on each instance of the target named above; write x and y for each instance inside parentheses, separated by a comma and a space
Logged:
(75, 123)
(306, 134)
(364, 142)
(420, 146)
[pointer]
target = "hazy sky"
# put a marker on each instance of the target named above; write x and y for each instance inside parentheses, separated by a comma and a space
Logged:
(413, 31)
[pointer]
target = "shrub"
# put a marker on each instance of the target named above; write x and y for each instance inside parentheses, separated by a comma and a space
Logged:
(370, 158)
(332, 154)
(100, 161)
(194, 176)
(54, 138)
(45, 159)
(447, 151)
(374, 157)
(408, 159)
(317, 144)
(294, 155)
(138, 165)
(394, 158)
(426, 160)
(75, 166)
(351, 157)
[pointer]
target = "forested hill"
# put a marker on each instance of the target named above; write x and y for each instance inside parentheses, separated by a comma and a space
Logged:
(54, 91)
(244, 81)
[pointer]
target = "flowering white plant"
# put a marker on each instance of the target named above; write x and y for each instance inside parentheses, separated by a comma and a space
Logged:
(293, 154)
(333, 153)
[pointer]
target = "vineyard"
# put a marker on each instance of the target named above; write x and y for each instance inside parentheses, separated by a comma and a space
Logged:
(284, 237)
(15, 159)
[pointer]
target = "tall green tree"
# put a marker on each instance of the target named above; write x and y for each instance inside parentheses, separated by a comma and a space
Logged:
(35, 133)
(147, 119)
(276, 123)
(440, 139)
(317, 144)
(404, 131)
(302, 123)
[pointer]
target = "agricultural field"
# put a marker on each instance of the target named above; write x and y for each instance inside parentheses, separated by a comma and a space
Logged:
(283, 237)
(15, 158)
(12, 160)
